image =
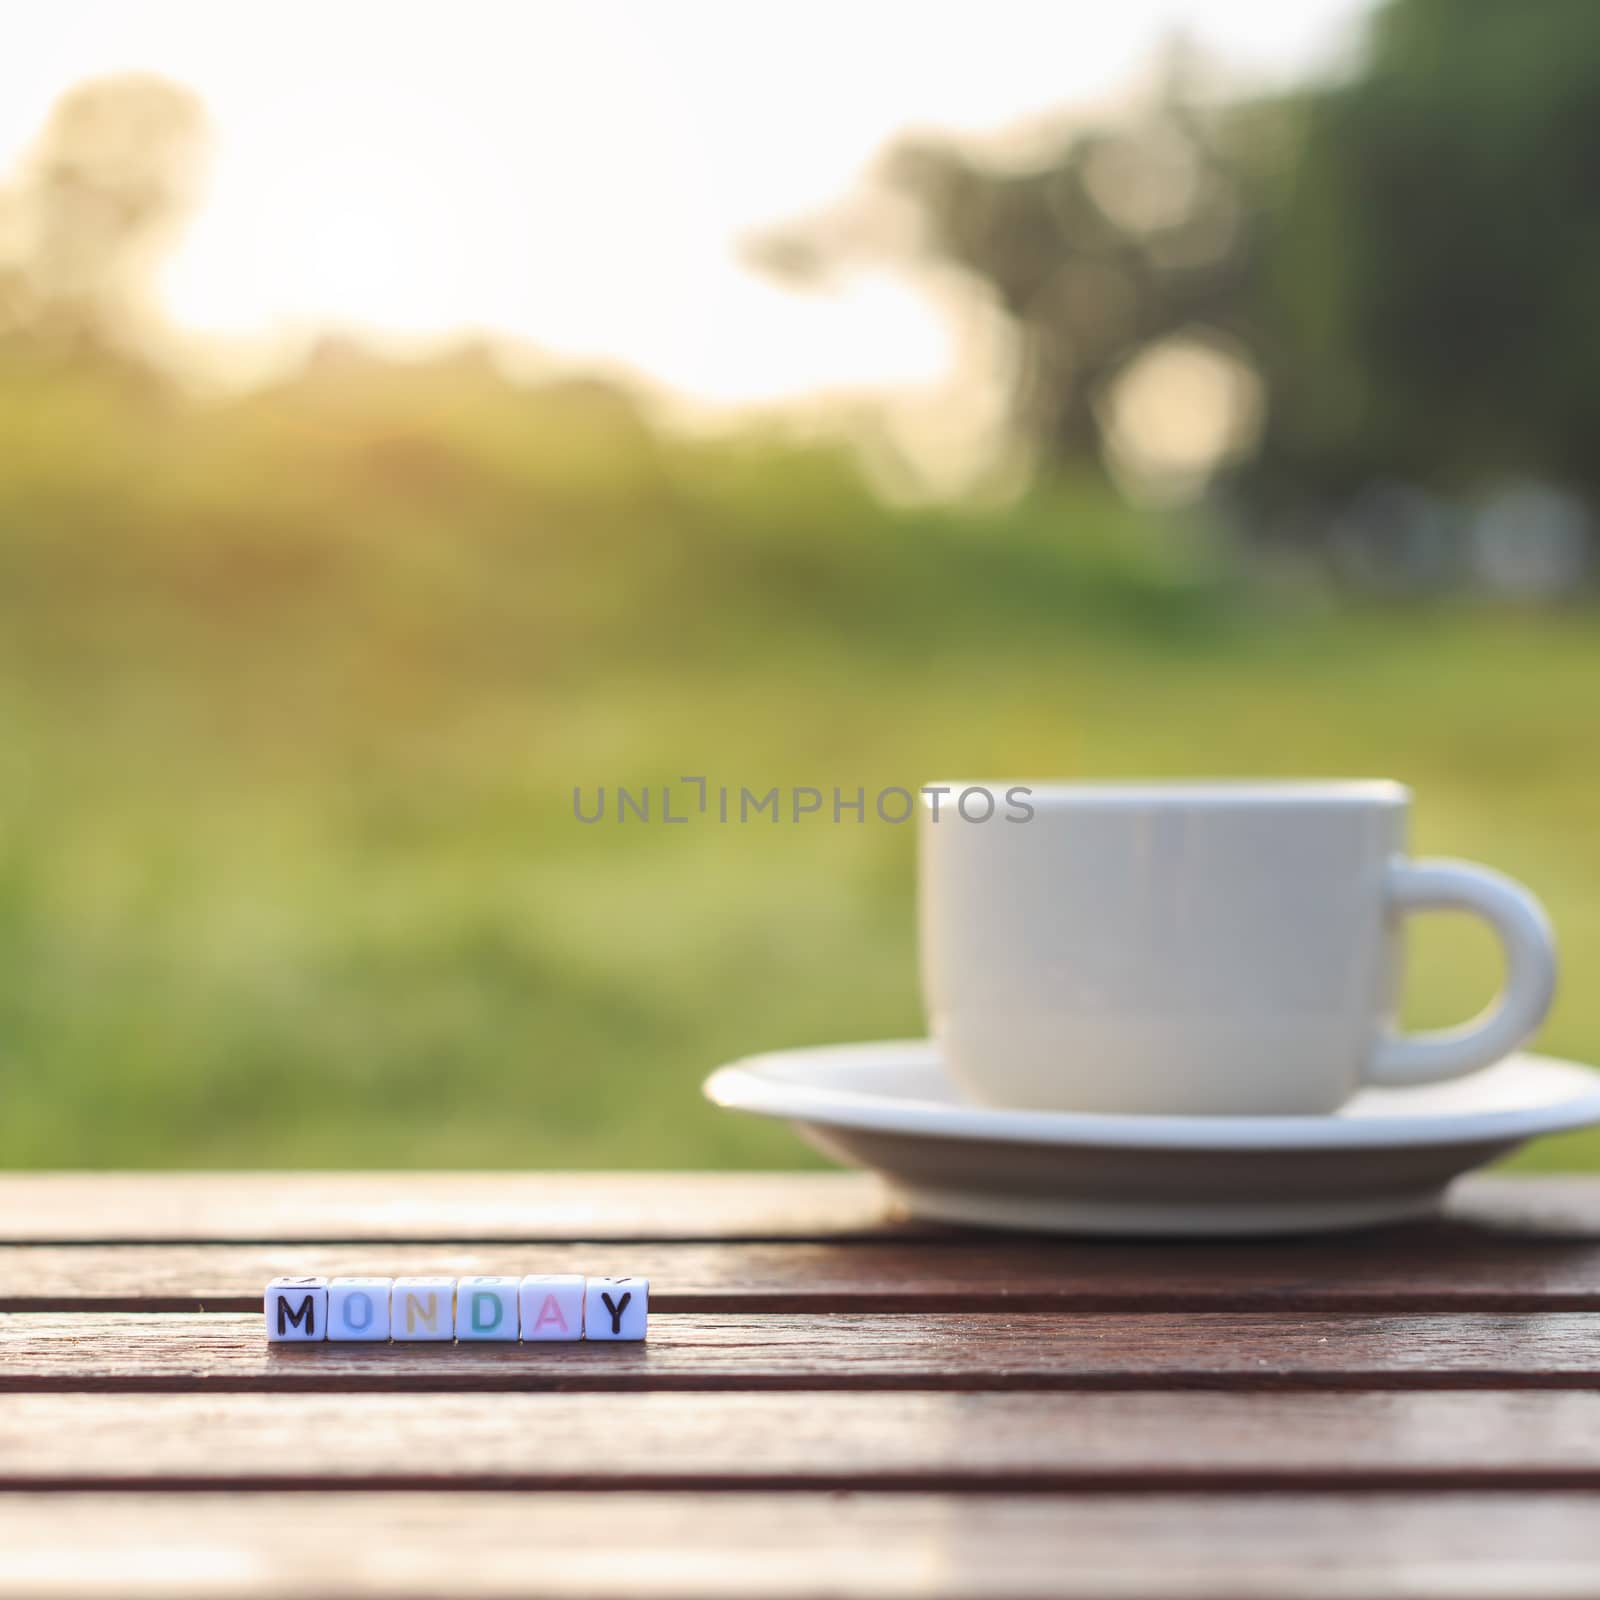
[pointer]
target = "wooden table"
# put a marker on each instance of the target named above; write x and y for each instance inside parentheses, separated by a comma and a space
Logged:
(831, 1402)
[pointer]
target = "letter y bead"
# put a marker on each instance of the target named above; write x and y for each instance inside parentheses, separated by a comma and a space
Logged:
(615, 1308)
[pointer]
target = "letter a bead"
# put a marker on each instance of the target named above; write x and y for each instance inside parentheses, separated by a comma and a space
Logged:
(358, 1308)
(486, 1308)
(423, 1308)
(552, 1306)
(615, 1308)
(297, 1310)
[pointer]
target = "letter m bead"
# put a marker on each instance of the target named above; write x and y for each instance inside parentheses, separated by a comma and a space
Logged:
(297, 1310)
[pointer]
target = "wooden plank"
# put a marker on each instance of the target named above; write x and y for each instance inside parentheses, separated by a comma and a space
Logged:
(1457, 1266)
(786, 1547)
(1044, 1350)
(476, 1207)
(446, 1206)
(1533, 1439)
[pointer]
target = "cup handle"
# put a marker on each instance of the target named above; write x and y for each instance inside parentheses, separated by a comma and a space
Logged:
(1530, 950)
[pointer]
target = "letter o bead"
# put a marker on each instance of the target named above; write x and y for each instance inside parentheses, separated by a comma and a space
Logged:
(297, 1310)
(358, 1308)
(615, 1308)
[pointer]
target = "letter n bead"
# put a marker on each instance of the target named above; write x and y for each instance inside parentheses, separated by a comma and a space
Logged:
(486, 1308)
(552, 1306)
(423, 1308)
(615, 1308)
(358, 1308)
(297, 1310)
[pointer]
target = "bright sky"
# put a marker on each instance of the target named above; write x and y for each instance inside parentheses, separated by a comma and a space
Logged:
(578, 174)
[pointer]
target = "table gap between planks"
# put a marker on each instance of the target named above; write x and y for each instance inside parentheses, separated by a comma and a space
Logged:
(833, 1400)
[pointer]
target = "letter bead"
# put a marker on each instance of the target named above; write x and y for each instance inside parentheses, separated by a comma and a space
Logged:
(297, 1310)
(423, 1308)
(358, 1308)
(552, 1306)
(538, 1308)
(615, 1308)
(486, 1308)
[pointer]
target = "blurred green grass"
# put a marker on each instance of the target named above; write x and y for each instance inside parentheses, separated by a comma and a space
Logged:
(296, 690)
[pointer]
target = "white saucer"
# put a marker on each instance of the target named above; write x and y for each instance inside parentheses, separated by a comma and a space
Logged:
(1387, 1155)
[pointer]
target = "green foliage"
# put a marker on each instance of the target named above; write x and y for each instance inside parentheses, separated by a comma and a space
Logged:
(296, 691)
(1405, 258)
(1433, 311)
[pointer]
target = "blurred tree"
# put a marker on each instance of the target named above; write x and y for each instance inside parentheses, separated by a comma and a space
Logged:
(1404, 258)
(1121, 241)
(97, 200)
(1097, 252)
(1431, 313)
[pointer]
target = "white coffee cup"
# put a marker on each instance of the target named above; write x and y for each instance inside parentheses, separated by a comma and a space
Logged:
(1196, 948)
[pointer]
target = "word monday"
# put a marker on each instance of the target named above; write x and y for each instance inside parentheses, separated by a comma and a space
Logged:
(549, 1307)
